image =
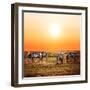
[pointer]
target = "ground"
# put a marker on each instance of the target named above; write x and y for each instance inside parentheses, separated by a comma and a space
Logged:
(50, 68)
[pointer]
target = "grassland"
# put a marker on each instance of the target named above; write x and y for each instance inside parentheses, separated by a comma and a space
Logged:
(50, 68)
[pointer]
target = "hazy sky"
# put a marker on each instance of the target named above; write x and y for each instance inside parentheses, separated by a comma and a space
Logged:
(51, 32)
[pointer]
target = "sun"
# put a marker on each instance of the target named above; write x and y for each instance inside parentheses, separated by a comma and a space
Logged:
(54, 30)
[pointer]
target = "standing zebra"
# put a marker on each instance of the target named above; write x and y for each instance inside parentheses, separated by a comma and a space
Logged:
(60, 58)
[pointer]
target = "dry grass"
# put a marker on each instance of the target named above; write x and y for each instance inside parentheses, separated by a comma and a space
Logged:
(50, 68)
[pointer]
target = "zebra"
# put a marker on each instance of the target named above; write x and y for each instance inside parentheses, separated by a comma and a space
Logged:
(60, 58)
(39, 55)
(71, 56)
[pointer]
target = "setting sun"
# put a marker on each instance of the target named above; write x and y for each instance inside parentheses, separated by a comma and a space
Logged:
(54, 30)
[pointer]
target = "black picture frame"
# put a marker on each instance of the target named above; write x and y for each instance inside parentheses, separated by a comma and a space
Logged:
(14, 42)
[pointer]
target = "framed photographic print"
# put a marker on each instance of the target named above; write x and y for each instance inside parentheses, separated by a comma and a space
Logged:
(48, 44)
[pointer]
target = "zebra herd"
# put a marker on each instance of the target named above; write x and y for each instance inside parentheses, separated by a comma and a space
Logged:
(67, 57)
(61, 57)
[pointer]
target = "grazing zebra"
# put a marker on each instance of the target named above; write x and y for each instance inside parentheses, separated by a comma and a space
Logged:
(71, 56)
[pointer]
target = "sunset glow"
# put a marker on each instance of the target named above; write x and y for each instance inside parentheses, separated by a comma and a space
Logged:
(54, 30)
(51, 32)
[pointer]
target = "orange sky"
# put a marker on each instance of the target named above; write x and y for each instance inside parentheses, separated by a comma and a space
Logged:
(38, 35)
